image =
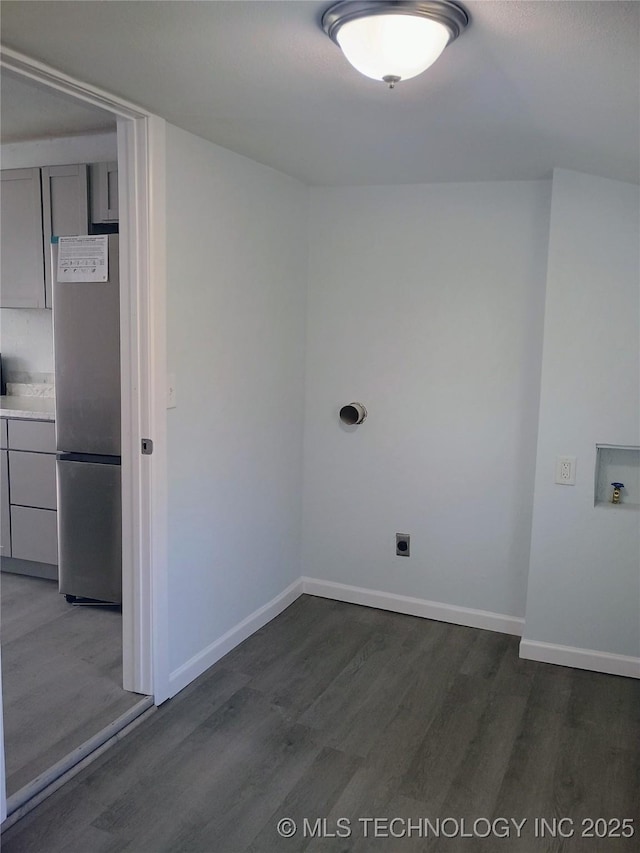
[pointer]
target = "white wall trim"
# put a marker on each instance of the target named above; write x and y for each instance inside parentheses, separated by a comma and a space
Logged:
(415, 606)
(580, 658)
(199, 663)
(141, 183)
(40, 72)
(154, 422)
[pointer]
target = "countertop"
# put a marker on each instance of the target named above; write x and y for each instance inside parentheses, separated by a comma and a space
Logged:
(33, 408)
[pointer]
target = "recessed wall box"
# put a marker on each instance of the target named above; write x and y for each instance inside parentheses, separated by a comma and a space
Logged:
(617, 464)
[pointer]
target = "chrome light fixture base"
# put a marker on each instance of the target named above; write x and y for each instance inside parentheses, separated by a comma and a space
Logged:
(445, 12)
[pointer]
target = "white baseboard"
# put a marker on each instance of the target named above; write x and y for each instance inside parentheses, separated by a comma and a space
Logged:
(415, 606)
(483, 619)
(580, 658)
(198, 664)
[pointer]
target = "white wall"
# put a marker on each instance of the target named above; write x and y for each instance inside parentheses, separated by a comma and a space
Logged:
(425, 304)
(584, 581)
(26, 338)
(26, 335)
(236, 258)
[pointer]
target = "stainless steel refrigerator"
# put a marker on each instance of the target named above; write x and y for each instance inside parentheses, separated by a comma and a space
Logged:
(86, 335)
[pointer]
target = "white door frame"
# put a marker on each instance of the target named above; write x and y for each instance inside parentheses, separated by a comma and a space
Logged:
(141, 184)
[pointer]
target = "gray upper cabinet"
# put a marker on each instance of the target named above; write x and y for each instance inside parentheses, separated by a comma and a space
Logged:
(65, 206)
(21, 247)
(104, 193)
(37, 204)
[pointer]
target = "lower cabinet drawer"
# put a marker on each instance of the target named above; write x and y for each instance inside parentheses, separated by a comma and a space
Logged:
(33, 479)
(34, 534)
(5, 527)
(39, 436)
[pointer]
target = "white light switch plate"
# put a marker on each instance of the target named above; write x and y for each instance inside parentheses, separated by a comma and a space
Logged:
(566, 470)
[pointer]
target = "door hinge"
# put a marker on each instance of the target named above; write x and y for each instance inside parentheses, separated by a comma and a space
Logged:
(147, 446)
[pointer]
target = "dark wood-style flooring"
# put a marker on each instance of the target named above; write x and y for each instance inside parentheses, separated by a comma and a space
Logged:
(61, 675)
(338, 711)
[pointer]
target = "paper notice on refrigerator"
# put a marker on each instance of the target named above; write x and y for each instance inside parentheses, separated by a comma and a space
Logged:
(83, 258)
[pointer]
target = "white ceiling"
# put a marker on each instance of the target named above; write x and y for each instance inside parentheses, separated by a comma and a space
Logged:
(528, 86)
(30, 111)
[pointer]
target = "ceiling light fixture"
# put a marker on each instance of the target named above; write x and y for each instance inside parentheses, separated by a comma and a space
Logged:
(393, 41)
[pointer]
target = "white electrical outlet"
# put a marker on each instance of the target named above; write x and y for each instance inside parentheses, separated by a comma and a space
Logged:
(566, 470)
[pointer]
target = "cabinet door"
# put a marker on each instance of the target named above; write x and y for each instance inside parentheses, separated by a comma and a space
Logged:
(65, 205)
(5, 525)
(104, 192)
(21, 250)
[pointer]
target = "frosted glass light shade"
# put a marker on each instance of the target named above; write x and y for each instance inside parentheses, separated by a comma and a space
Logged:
(400, 46)
(393, 40)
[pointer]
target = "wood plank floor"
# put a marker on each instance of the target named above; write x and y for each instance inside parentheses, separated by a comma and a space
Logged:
(61, 674)
(339, 711)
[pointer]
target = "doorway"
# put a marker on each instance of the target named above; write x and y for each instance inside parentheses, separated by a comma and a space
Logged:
(140, 151)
